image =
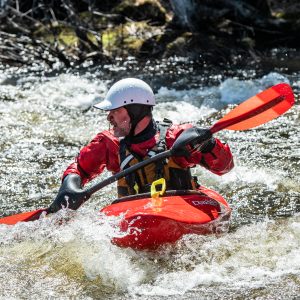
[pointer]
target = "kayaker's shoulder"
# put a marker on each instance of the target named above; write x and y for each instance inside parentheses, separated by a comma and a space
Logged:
(106, 136)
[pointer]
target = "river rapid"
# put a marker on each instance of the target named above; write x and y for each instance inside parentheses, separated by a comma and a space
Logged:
(46, 117)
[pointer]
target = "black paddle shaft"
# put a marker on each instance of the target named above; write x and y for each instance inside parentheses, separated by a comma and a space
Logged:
(96, 187)
(189, 137)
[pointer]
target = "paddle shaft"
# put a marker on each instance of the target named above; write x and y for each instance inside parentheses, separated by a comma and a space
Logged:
(218, 126)
(96, 187)
(277, 99)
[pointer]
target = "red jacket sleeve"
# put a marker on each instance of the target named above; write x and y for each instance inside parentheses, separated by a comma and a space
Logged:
(219, 160)
(101, 152)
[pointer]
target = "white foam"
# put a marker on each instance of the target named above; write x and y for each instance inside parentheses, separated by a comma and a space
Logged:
(244, 174)
(181, 111)
(62, 254)
(2, 77)
(252, 257)
(70, 91)
(235, 91)
(208, 97)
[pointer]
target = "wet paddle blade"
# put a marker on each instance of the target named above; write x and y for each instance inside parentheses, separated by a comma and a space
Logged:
(22, 217)
(258, 110)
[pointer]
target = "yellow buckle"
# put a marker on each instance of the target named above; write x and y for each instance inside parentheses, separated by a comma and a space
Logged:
(156, 200)
(154, 192)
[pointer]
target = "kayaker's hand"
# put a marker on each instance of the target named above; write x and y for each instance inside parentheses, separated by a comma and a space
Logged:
(205, 142)
(70, 194)
(193, 139)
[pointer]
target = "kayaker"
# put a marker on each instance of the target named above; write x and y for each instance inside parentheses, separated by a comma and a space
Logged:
(136, 136)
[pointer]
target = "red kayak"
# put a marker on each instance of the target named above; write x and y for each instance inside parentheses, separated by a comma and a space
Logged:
(150, 222)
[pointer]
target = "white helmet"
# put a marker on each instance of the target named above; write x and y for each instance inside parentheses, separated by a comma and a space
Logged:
(127, 91)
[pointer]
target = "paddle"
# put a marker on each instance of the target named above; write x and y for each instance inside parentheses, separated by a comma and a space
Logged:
(255, 111)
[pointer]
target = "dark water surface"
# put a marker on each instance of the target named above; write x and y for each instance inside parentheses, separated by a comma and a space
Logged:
(45, 120)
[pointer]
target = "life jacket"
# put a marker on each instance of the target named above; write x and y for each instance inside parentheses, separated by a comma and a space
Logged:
(176, 177)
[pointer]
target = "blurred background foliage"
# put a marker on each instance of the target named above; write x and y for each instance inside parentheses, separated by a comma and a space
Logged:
(73, 32)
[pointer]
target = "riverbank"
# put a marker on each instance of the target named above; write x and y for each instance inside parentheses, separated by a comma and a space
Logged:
(74, 34)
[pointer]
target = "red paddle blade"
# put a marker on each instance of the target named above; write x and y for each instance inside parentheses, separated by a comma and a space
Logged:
(258, 110)
(22, 217)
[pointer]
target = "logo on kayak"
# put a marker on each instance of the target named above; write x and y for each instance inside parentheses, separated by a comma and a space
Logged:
(206, 201)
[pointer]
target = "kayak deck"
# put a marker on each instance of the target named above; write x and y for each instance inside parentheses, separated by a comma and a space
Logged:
(149, 222)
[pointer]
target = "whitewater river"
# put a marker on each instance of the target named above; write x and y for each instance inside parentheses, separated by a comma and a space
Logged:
(46, 119)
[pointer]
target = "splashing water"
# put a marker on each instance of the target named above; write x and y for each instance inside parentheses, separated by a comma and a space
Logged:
(45, 121)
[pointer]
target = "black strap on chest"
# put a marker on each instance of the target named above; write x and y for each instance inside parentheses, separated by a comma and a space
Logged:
(134, 178)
